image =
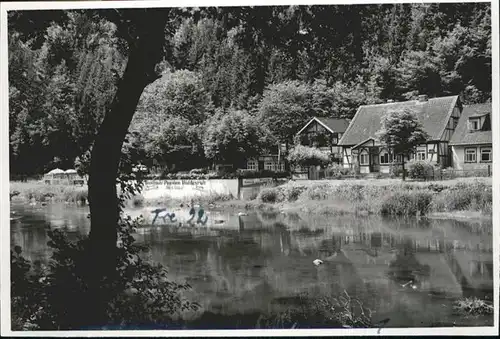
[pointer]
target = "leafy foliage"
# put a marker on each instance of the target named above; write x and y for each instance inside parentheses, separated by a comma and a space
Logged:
(286, 106)
(420, 169)
(176, 142)
(401, 131)
(234, 137)
(59, 89)
(308, 156)
(177, 94)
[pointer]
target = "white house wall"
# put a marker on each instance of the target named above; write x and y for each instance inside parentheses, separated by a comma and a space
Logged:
(347, 157)
(458, 157)
(458, 154)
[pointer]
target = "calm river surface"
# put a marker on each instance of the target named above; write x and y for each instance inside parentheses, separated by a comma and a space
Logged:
(261, 262)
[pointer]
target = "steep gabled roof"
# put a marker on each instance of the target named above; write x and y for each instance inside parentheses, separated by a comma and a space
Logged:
(331, 124)
(462, 135)
(337, 125)
(433, 114)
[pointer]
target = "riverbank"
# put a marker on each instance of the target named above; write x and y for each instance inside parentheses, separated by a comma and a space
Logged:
(453, 198)
(463, 198)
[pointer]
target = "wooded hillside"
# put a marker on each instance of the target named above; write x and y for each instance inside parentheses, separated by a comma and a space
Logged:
(278, 65)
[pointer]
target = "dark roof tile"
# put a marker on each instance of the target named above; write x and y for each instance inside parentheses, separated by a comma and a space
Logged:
(337, 125)
(462, 136)
(433, 114)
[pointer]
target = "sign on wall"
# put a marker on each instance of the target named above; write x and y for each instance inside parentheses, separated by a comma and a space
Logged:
(186, 188)
(256, 181)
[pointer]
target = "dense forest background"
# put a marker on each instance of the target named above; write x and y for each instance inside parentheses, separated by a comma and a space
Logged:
(235, 84)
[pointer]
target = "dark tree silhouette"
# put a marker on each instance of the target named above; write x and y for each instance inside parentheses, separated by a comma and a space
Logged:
(144, 32)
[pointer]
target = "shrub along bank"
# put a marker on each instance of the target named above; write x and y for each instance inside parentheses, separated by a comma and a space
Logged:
(392, 198)
(39, 192)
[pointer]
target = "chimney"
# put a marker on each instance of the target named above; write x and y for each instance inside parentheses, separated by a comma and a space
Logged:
(423, 98)
(390, 100)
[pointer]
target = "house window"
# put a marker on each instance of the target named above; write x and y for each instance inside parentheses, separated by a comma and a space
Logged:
(470, 155)
(252, 165)
(270, 166)
(420, 155)
(385, 158)
(486, 154)
(474, 124)
(363, 158)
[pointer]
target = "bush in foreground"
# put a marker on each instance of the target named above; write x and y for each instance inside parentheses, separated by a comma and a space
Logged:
(308, 156)
(271, 195)
(422, 170)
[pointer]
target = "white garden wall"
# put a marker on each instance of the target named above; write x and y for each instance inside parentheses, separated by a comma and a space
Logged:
(189, 188)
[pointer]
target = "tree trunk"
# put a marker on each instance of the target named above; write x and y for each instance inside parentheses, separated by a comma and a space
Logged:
(145, 51)
(106, 153)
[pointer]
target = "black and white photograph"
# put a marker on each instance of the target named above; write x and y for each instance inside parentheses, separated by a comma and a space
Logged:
(249, 168)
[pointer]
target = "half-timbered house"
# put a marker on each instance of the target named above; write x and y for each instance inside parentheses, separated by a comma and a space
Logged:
(324, 134)
(438, 116)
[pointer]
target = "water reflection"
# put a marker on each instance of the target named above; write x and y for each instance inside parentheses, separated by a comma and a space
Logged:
(407, 269)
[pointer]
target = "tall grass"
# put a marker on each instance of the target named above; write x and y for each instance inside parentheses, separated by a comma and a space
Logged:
(402, 199)
(289, 192)
(476, 196)
(329, 311)
(407, 203)
(41, 192)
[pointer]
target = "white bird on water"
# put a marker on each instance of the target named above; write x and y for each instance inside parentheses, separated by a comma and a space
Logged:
(317, 262)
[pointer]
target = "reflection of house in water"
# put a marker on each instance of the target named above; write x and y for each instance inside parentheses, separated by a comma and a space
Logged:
(440, 277)
(473, 270)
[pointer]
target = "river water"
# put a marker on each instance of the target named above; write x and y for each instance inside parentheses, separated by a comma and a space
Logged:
(408, 270)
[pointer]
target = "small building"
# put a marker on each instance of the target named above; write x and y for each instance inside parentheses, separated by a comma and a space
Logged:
(73, 177)
(272, 160)
(438, 116)
(54, 177)
(471, 144)
(59, 177)
(324, 134)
